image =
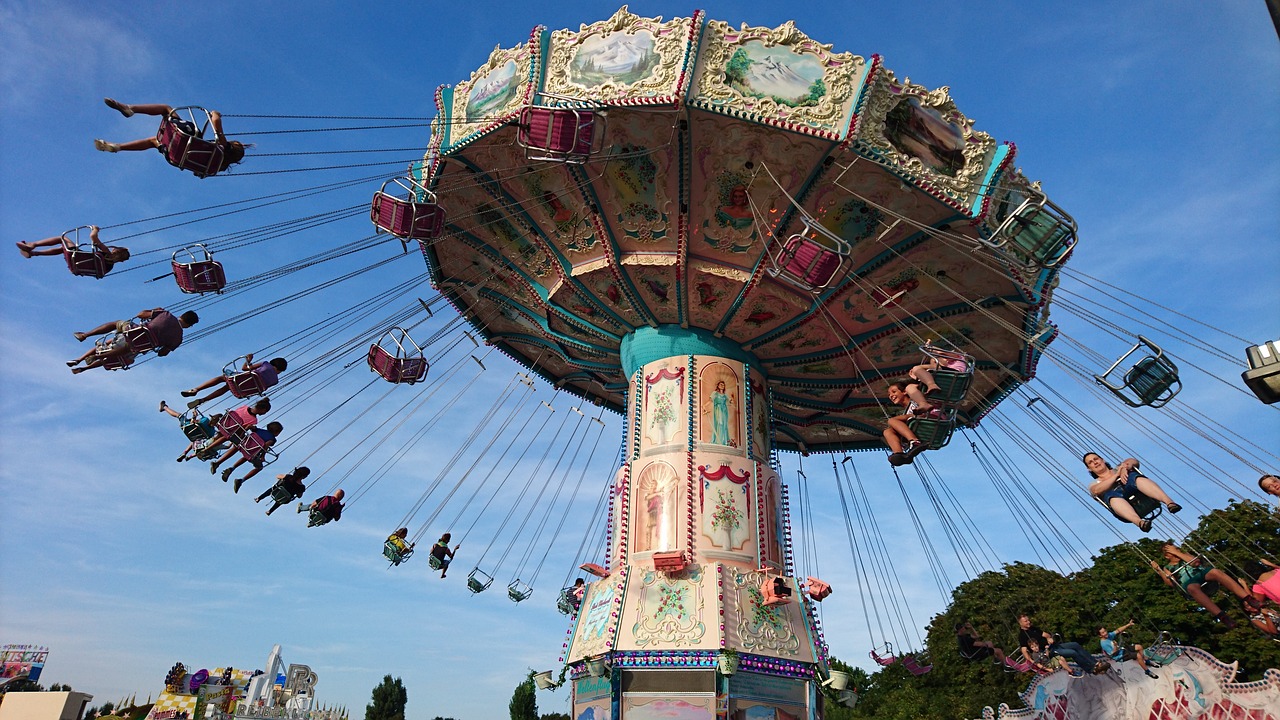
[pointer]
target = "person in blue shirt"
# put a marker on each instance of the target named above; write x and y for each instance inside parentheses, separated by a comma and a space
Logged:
(1112, 648)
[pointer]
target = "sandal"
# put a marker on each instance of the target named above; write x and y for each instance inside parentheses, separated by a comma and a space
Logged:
(22, 248)
(898, 458)
(163, 405)
(119, 107)
(1144, 525)
(104, 146)
(1174, 507)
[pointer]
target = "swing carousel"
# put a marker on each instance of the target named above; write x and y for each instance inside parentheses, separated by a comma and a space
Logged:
(735, 237)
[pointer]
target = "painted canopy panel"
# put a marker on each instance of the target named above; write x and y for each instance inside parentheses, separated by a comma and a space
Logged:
(708, 159)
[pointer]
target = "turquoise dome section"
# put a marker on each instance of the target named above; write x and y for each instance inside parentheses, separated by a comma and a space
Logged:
(647, 344)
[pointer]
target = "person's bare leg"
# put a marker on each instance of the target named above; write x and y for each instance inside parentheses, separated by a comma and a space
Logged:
(29, 249)
(164, 408)
(1124, 511)
(1228, 583)
(1205, 601)
(1142, 659)
(917, 397)
(921, 373)
(903, 430)
(148, 143)
(1148, 487)
(892, 440)
(157, 109)
(102, 329)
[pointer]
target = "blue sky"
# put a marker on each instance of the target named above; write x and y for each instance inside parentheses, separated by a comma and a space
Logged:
(1152, 123)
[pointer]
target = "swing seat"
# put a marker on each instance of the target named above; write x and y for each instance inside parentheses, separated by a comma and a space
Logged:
(405, 364)
(952, 381)
(818, 590)
(244, 383)
(883, 655)
(197, 274)
(1038, 233)
(280, 495)
(137, 338)
(414, 217)
(1263, 375)
(255, 450)
(1164, 650)
(191, 427)
(811, 259)
(435, 563)
(594, 569)
(567, 603)
(519, 591)
(934, 429)
(231, 426)
(315, 518)
(184, 147)
(478, 581)
(566, 135)
(916, 664)
(671, 562)
(1146, 508)
(772, 598)
(83, 259)
(1152, 381)
(395, 554)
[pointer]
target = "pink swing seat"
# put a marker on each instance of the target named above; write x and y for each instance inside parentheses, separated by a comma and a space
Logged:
(137, 338)
(415, 217)
(242, 383)
(885, 656)
(198, 274)
(559, 134)
(184, 147)
(405, 365)
(818, 590)
(811, 259)
(83, 259)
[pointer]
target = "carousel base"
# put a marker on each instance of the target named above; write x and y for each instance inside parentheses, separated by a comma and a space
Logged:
(696, 684)
(1195, 685)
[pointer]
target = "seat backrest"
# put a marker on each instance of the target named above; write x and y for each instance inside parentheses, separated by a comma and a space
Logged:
(1150, 378)
(200, 276)
(86, 262)
(245, 384)
(934, 433)
(559, 134)
(954, 385)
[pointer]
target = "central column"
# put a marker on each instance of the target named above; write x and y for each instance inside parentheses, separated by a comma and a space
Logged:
(685, 617)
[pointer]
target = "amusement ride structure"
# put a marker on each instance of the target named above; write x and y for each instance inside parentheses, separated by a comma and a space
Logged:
(737, 239)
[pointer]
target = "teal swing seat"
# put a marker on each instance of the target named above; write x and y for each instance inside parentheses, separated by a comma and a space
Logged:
(953, 383)
(1146, 508)
(1152, 381)
(519, 591)
(1164, 650)
(567, 603)
(315, 518)
(395, 554)
(478, 580)
(436, 564)
(280, 495)
(934, 428)
(1038, 233)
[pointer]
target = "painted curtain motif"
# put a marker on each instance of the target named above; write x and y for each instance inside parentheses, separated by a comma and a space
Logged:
(725, 507)
(669, 611)
(720, 406)
(656, 509)
(664, 409)
(642, 707)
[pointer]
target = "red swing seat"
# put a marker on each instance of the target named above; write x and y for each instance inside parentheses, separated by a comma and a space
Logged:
(404, 366)
(184, 147)
(885, 656)
(559, 134)
(198, 274)
(818, 590)
(915, 664)
(242, 383)
(83, 258)
(233, 427)
(136, 337)
(254, 449)
(414, 217)
(811, 259)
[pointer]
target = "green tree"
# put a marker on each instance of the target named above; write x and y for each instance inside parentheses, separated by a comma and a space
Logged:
(389, 700)
(736, 70)
(524, 701)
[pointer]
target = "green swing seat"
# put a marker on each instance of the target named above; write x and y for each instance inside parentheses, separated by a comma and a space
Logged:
(1037, 233)
(395, 554)
(519, 591)
(1152, 381)
(935, 428)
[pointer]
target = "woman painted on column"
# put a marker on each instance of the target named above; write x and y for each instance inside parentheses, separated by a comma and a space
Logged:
(656, 498)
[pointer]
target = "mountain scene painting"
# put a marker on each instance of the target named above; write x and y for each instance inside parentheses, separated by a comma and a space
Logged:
(492, 92)
(618, 57)
(787, 77)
